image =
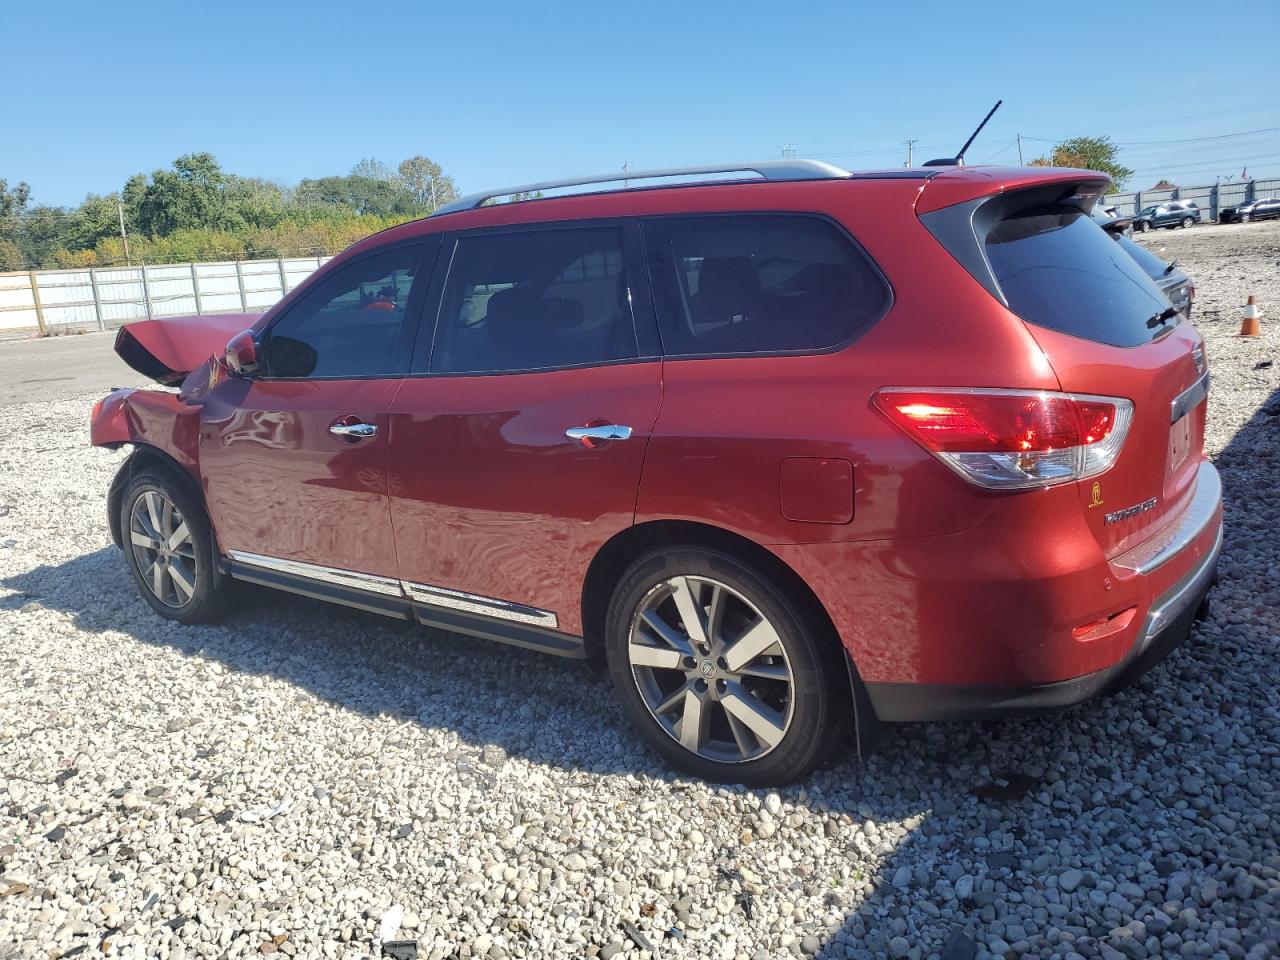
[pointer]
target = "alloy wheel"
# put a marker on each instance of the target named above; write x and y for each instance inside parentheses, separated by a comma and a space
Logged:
(711, 669)
(163, 548)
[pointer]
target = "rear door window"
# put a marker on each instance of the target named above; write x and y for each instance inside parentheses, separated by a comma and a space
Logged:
(759, 283)
(1059, 269)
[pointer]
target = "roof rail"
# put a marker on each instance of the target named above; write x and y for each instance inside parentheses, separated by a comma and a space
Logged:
(778, 170)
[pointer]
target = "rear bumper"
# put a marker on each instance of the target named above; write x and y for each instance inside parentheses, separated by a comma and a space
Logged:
(1167, 624)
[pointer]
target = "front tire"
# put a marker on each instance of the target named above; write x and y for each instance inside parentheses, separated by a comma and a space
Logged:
(168, 545)
(1143, 226)
(1244, 218)
(721, 670)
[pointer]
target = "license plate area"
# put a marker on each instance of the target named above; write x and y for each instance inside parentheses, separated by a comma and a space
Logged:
(1181, 435)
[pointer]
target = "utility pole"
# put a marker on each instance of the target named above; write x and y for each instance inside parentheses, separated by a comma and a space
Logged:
(434, 205)
(626, 165)
(123, 235)
(789, 152)
(910, 146)
(1020, 163)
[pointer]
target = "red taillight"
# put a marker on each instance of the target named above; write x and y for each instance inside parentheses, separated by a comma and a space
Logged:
(1011, 439)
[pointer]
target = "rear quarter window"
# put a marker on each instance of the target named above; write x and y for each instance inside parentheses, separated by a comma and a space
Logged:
(1058, 269)
(759, 284)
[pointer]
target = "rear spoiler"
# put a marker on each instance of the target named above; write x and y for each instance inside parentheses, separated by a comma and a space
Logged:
(166, 349)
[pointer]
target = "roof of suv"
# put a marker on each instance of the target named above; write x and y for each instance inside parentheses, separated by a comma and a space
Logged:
(946, 186)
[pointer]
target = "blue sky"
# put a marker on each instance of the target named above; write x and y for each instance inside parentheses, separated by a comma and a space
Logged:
(502, 93)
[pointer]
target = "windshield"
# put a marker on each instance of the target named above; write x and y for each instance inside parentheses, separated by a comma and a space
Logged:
(1146, 211)
(1058, 269)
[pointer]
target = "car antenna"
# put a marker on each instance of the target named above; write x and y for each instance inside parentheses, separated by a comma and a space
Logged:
(958, 159)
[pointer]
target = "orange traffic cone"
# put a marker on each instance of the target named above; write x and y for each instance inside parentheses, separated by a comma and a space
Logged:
(1251, 326)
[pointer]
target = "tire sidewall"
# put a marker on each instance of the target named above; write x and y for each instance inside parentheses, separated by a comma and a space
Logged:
(205, 604)
(816, 699)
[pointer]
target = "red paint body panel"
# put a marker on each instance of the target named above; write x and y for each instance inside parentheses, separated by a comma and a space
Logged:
(490, 497)
(816, 489)
(151, 418)
(277, 483)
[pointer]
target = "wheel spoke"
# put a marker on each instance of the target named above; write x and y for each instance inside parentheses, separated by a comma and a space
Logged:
(675, 700)
(659, 658)
(152, 503)
(766, 723)
(715, 611)
(186, 587)
(769, 671)
(166, 519)
(758, 639)
(741, 735)
(141, 539)
(694, 721)
(157, 579)
(666, 633)
(179, 536)
(690, 612)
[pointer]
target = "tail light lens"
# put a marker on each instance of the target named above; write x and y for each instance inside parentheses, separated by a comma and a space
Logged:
(1012, 439)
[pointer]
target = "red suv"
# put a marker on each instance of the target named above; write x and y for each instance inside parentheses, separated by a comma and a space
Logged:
(789, 452)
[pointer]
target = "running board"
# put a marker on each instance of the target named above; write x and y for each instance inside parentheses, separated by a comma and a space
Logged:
(444, 609)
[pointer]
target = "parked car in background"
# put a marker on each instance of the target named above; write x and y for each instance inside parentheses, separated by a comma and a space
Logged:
(726, 439)
(1177, 286)
(1171, 214)
(1263, 209)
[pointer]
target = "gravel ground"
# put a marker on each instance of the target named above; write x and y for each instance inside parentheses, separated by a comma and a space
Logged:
(284, 781)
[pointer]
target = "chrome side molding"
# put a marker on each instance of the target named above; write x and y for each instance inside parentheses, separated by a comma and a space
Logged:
(402, 589)
(387, 586)
(485, 606)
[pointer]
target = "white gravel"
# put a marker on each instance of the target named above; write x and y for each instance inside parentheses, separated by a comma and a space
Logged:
(281, 782)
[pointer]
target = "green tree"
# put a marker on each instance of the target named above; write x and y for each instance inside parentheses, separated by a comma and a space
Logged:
(1088, 153)
(361, 195)
(13, 204)
(429, 185)
(372, 168)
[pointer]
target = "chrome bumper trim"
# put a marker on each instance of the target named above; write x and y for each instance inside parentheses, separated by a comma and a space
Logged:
(1189, 399)
(1175, 602)
(484, 606)
(387, 586)
(1175, 538)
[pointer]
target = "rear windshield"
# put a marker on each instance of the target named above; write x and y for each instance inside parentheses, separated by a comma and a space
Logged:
(1059, 269)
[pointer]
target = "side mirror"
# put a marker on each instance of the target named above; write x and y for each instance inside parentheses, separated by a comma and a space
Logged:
(242, 354)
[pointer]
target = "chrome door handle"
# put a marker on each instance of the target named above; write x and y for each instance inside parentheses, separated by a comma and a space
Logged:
(354, 431)
(591, 436)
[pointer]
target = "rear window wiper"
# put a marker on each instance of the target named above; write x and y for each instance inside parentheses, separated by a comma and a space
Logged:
(1163, 317)
(1170, 268)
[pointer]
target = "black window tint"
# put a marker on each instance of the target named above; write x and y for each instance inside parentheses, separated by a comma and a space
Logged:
(759, 283)
(1151, 265)
(351, 324)
(535, 299)
(1059, 269)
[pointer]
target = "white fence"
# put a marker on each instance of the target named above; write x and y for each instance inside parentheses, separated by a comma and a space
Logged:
(1210, 198)
(52, 301)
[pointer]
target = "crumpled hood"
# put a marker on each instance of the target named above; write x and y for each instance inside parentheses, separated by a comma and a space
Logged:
(166, 349)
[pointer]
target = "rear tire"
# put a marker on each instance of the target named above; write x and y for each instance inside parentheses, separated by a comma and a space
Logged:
(1187, 222)
(721, 670)
(168, 545)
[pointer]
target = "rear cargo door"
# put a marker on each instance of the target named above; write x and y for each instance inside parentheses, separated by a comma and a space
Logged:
(1108, 330)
